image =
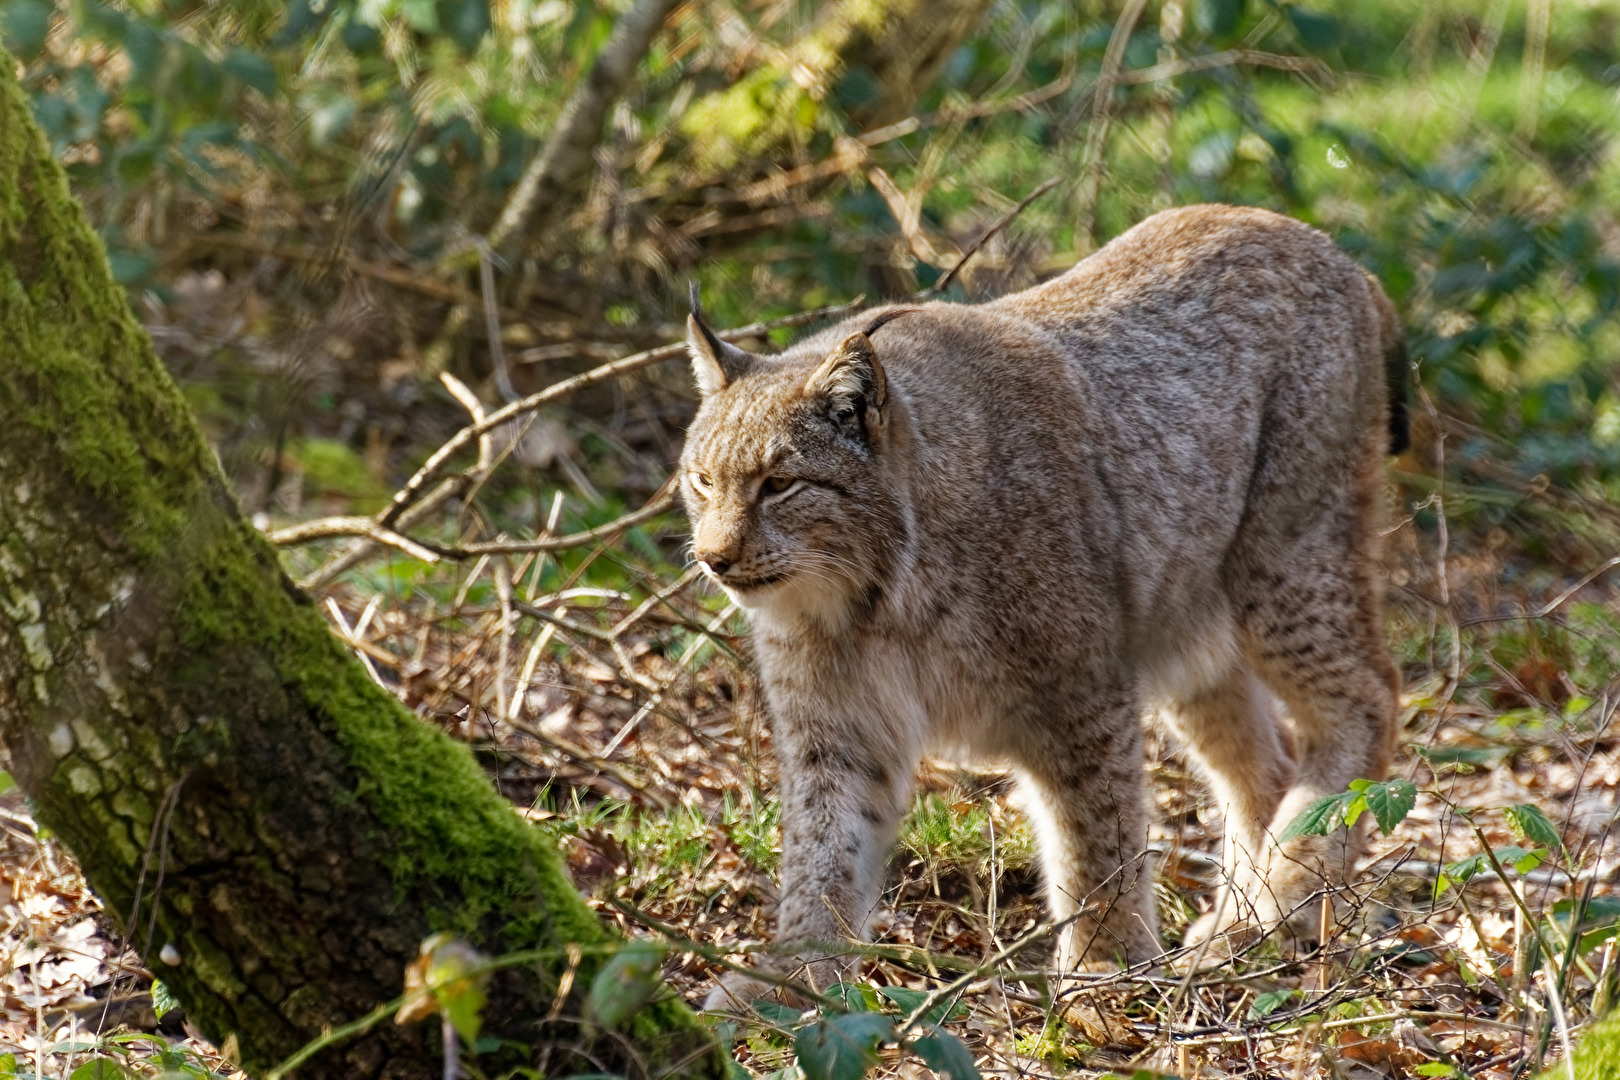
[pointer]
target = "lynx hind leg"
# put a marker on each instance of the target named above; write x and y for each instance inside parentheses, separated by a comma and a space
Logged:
(1086, 797)
(1314, 633)
(1232, 733)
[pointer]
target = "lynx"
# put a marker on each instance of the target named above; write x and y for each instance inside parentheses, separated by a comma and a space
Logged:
(1000, 531)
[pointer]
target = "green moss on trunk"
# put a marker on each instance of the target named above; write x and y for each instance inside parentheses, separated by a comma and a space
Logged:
(169, 696)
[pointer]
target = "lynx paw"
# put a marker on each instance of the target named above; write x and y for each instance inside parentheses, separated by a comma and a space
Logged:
(1220, 937)
(736, 991)
(1211, 942)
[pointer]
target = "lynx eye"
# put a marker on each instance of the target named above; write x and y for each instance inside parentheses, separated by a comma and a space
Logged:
(701, 482)
(775, 485)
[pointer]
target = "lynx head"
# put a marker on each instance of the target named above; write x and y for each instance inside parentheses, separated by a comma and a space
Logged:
(786, 472)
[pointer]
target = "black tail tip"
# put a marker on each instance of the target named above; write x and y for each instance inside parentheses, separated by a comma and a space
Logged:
(1397, 369)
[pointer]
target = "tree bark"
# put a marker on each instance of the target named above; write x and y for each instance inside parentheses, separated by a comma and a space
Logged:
(188, 727)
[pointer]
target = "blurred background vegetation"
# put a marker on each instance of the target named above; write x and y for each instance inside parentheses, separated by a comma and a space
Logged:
(318, 206)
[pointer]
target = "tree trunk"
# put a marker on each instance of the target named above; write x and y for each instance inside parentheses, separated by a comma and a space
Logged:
(899, 44)
(187, 726)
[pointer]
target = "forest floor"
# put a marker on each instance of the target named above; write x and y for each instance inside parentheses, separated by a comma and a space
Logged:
(646, 752)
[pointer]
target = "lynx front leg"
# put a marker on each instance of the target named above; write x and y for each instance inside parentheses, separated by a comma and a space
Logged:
(842, 797)
(841, 801)
(1086, 797)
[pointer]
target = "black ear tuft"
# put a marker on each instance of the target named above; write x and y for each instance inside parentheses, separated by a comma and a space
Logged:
(715, 363)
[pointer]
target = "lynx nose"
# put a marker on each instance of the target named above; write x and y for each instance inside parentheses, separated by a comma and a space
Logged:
(715, 563)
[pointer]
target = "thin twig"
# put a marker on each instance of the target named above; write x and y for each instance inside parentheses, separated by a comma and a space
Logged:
(492, 322)
(1304, 65)
(955, 985)
(973, 249)
(334, 527)
(661, 503)
(328, 528)
(1552, 605)
(1101, 104)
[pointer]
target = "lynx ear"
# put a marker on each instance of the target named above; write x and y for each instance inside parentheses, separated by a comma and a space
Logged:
(853, 379)
(715, 363)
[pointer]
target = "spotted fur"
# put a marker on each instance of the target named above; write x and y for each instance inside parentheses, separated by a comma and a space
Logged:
(1001, 531)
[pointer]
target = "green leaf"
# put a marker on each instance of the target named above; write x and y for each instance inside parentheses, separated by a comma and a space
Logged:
(26, 23)
(73, 1046)
(144, 47)
(6, 782)
(1321, 817)
(465, 1010)
(909, 1001)
(252, 69)
(946, 1055)
(1269, 1002)
(466, 20)
(361, 38)
(1355, 805)
(130, 268)
(1529, 823)
(163, 1001)
(100, 1068)
(625, 983)
(1434, 1068)
(1461, 755)
(420, 15)
(1217, 18)
(1459, 873)
(856, 998)
(843, 1047)
(1600, 910)
(1521, 860)
(1389, 801)
(774, 1012)
(1319, 32)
